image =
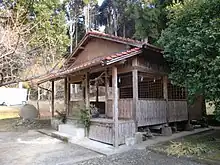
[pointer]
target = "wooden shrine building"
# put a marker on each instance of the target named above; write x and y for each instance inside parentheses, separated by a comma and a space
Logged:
(134, 77)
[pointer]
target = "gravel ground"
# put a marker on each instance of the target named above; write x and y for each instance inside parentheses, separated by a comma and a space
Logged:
(138, 157)
(33, 148)
(17, 124)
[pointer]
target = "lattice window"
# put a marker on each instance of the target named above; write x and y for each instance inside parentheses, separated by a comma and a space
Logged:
(176, 92)
(125, 86)
(125, 93)
(150, 88)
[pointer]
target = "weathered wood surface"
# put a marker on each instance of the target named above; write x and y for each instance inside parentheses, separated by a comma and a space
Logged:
(106, 89)
(52, 98)
(87, 90)
(102, 130)
(124, 109)
(98, 48)
(65, 94)
(115, 104)
(177, 111)
(151, 112)
(135, 90)
(75, 106)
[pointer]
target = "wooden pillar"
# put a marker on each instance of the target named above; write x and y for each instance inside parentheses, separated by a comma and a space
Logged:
(97, 94)
(135, 96)
(115, 103)
(106, 91)
(68, 96)
(52, 98)
(87, 102)
(135, 92)
(165, 96)
(65, 95)
(38, 99)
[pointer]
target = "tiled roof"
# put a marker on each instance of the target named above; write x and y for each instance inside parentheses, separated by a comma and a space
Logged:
(104, 36)
(122, 54)
(122, 40)
(115, 38)
(106, 60)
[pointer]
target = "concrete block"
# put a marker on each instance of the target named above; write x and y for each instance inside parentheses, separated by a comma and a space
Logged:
(80, 132)
(67, 129)
(166, 131)
(138, 137)
(130, 141)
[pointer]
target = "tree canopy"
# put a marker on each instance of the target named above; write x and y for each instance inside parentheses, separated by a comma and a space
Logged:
(191, 46)
(32, 32)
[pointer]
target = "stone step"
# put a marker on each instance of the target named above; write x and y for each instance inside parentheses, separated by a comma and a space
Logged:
(61, 136)
(67, 129)
(75, 122)
(71, 130)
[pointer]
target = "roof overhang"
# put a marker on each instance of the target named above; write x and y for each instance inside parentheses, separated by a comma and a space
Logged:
(138, 48)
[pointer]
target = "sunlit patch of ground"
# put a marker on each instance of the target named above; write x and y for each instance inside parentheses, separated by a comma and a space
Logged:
(8, 112)
(204, 146)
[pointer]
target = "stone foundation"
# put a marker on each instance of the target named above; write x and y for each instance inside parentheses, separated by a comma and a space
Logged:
(166, 131)
(55, 122)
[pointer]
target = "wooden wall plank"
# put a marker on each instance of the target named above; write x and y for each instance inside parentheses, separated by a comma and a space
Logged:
(151, 112)
(103, 132)
(177, 111)
(124, 108)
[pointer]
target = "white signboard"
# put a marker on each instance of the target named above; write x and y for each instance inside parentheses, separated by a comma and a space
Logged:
(13, 96)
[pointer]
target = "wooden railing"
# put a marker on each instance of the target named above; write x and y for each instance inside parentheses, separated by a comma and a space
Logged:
(151, 112)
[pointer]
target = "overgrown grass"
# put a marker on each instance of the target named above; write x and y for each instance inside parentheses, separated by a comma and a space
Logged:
(203, 146)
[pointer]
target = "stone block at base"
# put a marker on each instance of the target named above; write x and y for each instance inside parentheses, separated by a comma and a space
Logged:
(138, 137)
(130, 141)
(166, 131)
(55, 122)
(188, 127)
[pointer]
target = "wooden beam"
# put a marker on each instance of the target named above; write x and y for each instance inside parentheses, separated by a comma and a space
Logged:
(52, 98)
(44, 88)
(74, 79)
(165, 96)
(115, 104)
(141, 69)
(82, 48)
(106, 90)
